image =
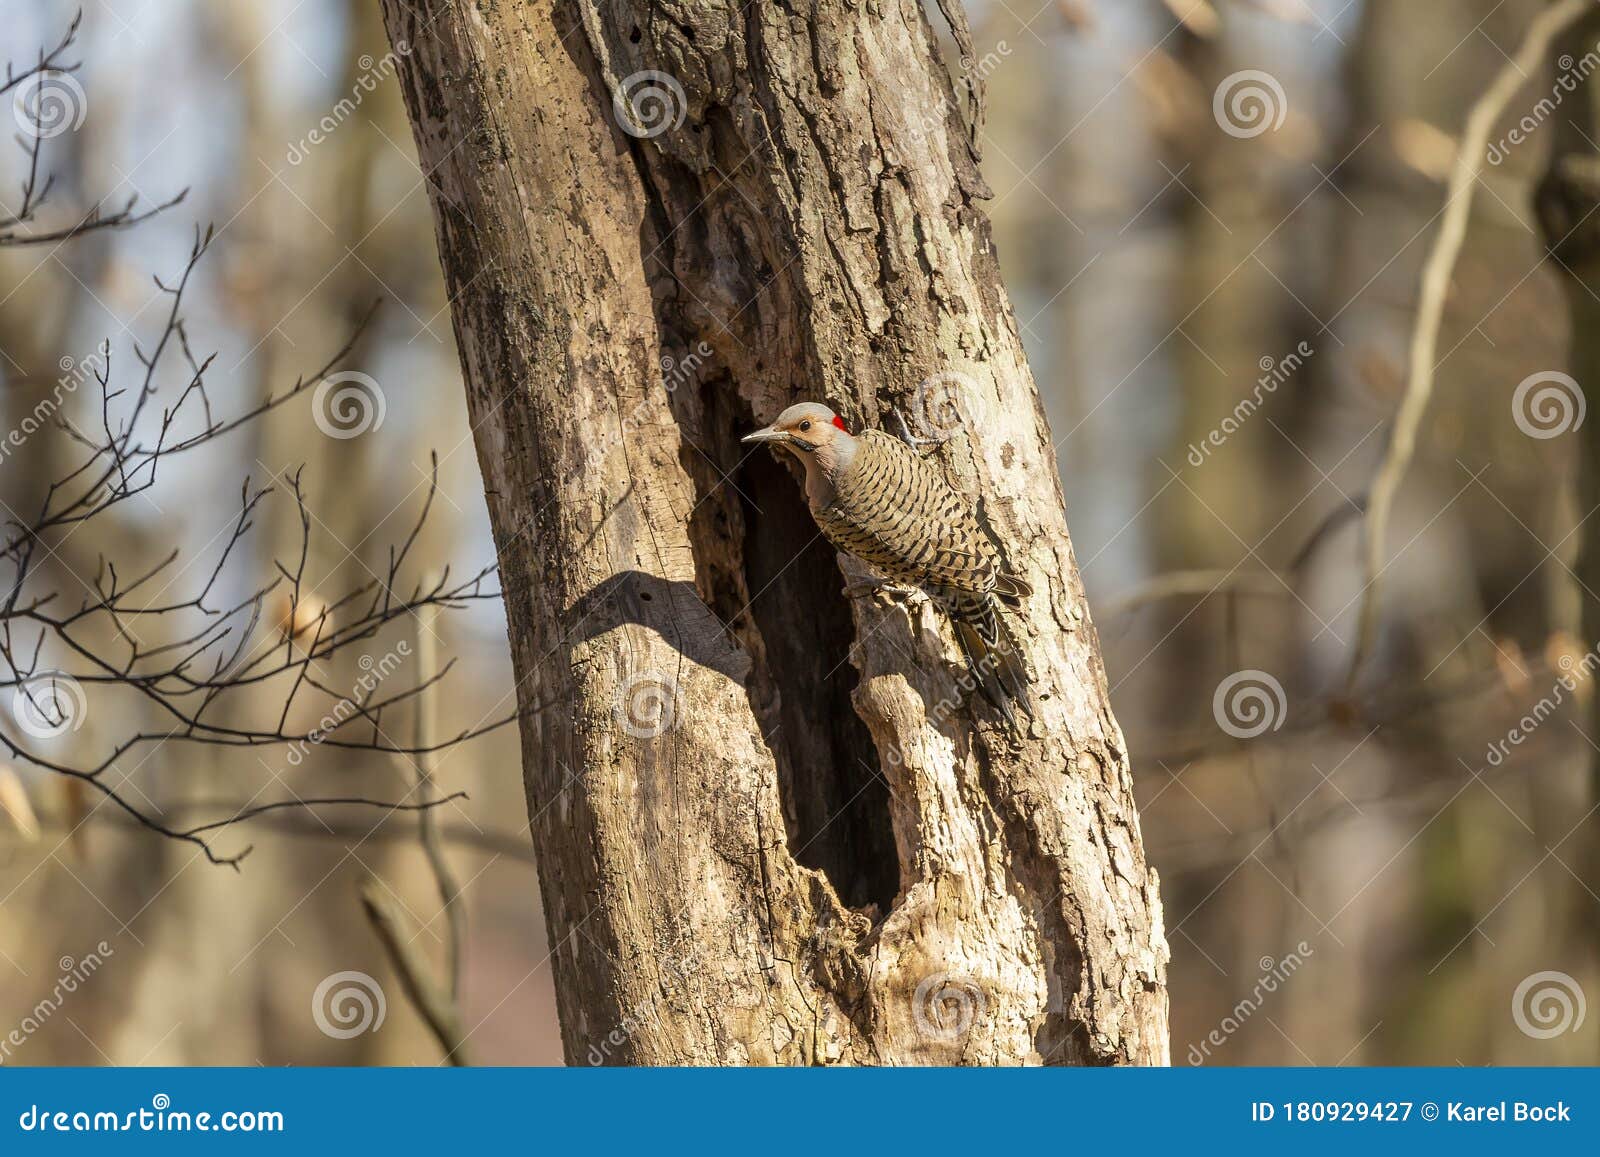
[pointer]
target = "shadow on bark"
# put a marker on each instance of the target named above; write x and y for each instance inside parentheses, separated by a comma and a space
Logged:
(766, 575)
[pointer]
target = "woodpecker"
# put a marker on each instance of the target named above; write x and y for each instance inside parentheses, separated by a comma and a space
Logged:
(876, 498)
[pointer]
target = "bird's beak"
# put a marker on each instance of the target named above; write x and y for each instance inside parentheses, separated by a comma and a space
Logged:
(766, 434)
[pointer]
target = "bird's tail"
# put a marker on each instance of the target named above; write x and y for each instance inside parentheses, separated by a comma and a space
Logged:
(993, 655)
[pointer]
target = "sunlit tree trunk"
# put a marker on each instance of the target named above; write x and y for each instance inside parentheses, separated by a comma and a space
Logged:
(765, 833)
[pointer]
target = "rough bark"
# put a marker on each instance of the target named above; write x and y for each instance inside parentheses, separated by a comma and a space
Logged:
(792, 853)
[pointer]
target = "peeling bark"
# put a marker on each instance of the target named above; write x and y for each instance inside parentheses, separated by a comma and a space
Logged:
(766, 832)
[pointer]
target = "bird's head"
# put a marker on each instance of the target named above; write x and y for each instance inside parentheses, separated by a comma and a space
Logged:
(806, 429)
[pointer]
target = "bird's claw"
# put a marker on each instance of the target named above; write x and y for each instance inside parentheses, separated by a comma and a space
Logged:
(915, 441)
(894, 592)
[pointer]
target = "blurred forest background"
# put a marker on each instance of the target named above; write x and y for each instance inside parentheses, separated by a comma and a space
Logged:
(1359, 883)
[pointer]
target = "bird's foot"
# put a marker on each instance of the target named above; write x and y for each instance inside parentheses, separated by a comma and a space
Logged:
(895, 592)
(915, 441)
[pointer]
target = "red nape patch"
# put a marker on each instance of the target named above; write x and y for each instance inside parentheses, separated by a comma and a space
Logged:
(839, 422)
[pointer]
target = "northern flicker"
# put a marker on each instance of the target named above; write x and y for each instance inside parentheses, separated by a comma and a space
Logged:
(875, 497)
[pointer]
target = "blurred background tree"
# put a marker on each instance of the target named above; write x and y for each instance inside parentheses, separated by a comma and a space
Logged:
(1436, 872)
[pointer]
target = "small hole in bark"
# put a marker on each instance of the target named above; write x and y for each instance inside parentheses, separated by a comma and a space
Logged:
(635, 36)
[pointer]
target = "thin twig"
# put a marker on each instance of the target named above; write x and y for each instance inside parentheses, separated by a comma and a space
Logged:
(429, 998)
(314, 824)
(1198, 584)
(427, 827)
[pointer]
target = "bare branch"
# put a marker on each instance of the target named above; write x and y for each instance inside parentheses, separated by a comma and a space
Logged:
(435, 1005)
(1436, 278)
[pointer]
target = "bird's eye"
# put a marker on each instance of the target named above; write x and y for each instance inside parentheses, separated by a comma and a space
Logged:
(806, 425)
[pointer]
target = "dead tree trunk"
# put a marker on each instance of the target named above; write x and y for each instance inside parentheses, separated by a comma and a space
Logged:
(765, 832)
